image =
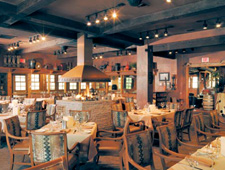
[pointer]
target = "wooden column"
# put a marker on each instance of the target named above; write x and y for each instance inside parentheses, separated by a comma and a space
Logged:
(29, 85)
(9, 84)
(121, 85)
(144, 75)
(106, 87)
(65, 88)
(79, 87)
(87, 89)
(49, 84)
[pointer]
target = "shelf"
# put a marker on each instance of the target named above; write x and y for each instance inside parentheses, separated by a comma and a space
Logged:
(125, 72)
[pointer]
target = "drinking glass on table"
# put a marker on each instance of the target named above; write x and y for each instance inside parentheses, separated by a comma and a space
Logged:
(191, 162)
(77, 119)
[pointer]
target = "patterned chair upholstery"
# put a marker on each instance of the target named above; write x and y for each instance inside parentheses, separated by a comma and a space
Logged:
(215, 121)
(57, 164)
(17, 144)
(51, 111)
(119, 119)
(38, 105)
(117, 107)
(35, 120)
(50, 146)
(187, 120)
(139, 149)
(29, 101)
(178, 122)
(129, 106)
(129, 99)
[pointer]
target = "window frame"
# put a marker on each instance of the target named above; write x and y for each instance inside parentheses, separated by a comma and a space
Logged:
(14, 82)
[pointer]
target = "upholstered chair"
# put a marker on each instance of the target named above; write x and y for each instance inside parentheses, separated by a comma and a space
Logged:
(29, 101)
(51, 111)
(169, 144)
(50, 146)
(178, 120)
(57, 164)
(215, 121)
(38, 105)
(17, 144)
(129, 106)
(117, 107)
(129, 100)
(201, 129)
(35, 120)
(187, 120)
(60, 111)
(138, 153)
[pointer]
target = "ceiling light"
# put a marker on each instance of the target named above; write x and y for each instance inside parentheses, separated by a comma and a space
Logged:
(97, 21)
(94, 46)
(205, 26)
(101, 56)
(218, 23)
(176, 51)
(168, 1)
(37, 38)
(30, 40)
(9, 48)
(43, 38)
(165, 32)
(129, 53)
(14, 46)
(140, 37)
(147, 35)
(170, 53)
(54, 52)
(88, 21)
(114, 15)
(34, 39)
(156, 34)
(184, 50)
(59, 52)
(105, 17)
(96, 57)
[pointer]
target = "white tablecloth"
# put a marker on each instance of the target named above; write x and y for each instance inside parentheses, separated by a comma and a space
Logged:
(147, 117)
(48, 100)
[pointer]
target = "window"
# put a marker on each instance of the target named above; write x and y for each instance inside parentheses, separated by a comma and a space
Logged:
(35, 82)
(119, 82)
(128, 83)
(83, 86)
(97, 85)
(90, 85)
(73, 86)
(20, 82)
(61, 85)
(52, 82)
(194, 82)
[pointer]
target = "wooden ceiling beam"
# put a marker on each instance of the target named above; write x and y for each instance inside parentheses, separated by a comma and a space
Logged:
(27, 7)
(188, 10)
(194, 43)
(7, 9)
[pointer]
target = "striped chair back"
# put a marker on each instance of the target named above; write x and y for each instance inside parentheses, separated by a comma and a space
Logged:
(129, 99)
(178, 118)
(117, 107)
(214, 118)
(119, 118)
(199, 122)
(13, 127)
(38, 105)
(48, 146)
(35, 119)
(188, 117)
(129, 106)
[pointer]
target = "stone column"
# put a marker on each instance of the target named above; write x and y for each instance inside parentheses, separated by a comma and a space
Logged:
(144, 75)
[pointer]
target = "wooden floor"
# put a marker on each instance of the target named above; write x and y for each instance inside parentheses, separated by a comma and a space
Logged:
(106, 162)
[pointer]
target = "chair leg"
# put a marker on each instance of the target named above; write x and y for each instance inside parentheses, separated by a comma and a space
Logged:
(23, 158)
(189, 135)
(11, 161)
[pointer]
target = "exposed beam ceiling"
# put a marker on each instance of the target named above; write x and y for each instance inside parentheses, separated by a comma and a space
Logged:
(6, 8)
(25, 8)
(188, 10)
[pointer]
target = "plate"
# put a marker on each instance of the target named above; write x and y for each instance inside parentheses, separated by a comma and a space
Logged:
(90, 123)
(205, 151)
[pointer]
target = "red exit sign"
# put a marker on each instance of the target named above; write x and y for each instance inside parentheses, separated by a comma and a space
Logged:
(205, 59)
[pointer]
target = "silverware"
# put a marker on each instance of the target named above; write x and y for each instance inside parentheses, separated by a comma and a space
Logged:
(190, 166)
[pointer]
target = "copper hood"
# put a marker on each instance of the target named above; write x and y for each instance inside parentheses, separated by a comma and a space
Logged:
(84, 71)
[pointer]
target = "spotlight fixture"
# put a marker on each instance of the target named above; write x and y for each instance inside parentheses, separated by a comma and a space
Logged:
(140, 37)
(156, 34)
(114, 14)
(96, 57)
(101, 56)
(88, 21)
(30, 40)
(168, 1)
(184, 50)
(170, 52)
(34, 39)
(166, 32)
(218, 23)
(37, 39)
(129, 53)
(94, 46)
(105, 17)
(43, 38)
(59, 52)
(9, 48)
(176, 51)
(117, 53)
(147, 35)
(54, 52)
(205, 26)
(14, 46)
(97, 21)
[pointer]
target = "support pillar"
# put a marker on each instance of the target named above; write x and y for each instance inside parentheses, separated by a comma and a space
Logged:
(144, 75)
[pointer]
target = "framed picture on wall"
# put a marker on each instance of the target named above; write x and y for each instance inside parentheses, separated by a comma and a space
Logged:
(164, 76)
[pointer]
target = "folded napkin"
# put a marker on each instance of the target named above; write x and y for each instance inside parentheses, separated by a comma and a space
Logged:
(203, 161)
(138, 113)
(65, 130)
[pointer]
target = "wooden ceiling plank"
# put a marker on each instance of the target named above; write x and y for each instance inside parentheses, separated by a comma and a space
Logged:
(188, 10)
(7, 9)
(27, 7)
(194, 43)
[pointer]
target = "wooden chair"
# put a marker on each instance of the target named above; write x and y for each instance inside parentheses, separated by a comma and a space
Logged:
(38, 105)
(117, 107)
(129, 99)
(35, 120)
(60, 110)
(201, 130)
(51, 111)
(50, 146)
(1, 134)
(59, 164)
(129, 106)
(17, 144)
(215, 121)
(178, 123)
(169, 144)
(186, 124)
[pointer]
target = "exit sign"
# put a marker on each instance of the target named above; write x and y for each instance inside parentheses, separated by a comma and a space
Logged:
(205, 59)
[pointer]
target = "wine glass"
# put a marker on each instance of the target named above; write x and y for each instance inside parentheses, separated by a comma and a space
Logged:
(191, 162)
(77, 118)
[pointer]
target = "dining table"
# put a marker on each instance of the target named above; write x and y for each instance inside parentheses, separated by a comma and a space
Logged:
(209, 157)
(84, 136)
(146, 116)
